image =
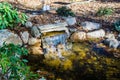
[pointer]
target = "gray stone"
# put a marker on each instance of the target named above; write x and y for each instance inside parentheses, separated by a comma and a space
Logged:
(28, 24)
(9, 37)
(54, 27)
(72, 30)
(96, 34)
(90, 25)
(35, 32)
(25, 36)
(110, 36)
(46, 7)
(114, 43)
(70, 20)
(119, 37)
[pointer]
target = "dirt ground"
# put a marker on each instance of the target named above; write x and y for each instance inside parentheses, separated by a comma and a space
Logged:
(84, 11)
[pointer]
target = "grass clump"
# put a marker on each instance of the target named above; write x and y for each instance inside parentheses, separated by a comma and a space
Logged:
(102, 11)
(65, 12)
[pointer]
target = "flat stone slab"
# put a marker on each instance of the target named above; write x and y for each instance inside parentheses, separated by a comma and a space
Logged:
(54, 27)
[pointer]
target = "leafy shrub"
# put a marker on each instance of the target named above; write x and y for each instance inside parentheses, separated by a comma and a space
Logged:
(104, 11)
(117, 25)
(10, 17)
(12, 63)
(65, 12)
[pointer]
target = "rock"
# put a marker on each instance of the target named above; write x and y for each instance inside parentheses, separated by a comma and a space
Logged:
(72, 30)
(35, 46)
(114, 43)
(110, 36)
(35, 50)
(46, 7)
(9, 37)
(70, 20)
(101, 51)
(96, 34)
(69, 45)
(42, 78)
(90, 25)
(33, 41)
(35, 32)
(51, 49)
(106, 42)
(25, 36)
(119, 37)
(117, 55)
(28, 24)
(77, 36)
(54, 27)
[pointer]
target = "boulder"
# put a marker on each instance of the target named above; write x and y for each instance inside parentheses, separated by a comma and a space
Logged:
(96, 34)
(9, 37)
(90, 25)
(35, 32)
(77, 36)
(25, 36)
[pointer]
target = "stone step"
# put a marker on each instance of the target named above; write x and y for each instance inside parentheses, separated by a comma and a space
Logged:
(54, 27)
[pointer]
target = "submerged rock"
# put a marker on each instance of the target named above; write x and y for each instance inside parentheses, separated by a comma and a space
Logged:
(101, 51)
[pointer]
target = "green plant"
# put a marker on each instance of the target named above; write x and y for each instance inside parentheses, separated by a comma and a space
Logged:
(64, 11)
(117, 25)
(12, 63)
(10, 17)
(104, 11)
